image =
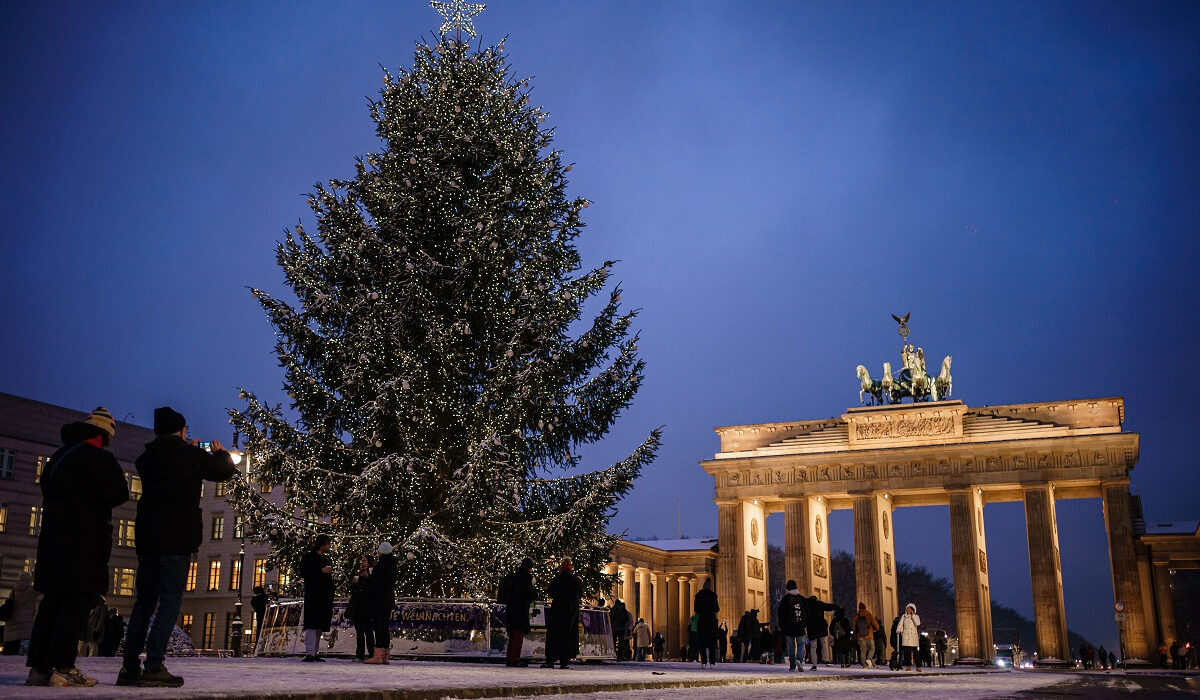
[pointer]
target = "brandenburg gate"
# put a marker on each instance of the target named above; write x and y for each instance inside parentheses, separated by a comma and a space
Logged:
(875, 459)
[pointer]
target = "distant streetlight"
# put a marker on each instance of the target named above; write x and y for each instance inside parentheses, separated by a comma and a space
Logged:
(237, 627)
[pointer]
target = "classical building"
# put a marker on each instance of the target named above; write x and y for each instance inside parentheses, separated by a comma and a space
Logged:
(873, 460)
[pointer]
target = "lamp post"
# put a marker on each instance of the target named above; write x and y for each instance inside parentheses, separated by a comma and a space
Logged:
(238, 627)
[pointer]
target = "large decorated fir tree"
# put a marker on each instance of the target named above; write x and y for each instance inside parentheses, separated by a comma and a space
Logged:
(441, 373)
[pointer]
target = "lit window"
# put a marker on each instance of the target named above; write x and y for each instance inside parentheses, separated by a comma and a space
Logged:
(284, 580)
(125, 533)
(219, 489)
(218, 527)
(123, 581)
(186, 623)
(210, 629)
(35, 520)
(214, 575)
(7, 457)
(264, 487)
(4, 518)
(239, 527)
(260, 571)
(235, 574)
(41, 464)
(135, 487)
(201, 489)
(29, 565)
(191, 577)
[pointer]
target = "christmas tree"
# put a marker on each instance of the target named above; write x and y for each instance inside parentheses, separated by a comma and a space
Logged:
(441, 374)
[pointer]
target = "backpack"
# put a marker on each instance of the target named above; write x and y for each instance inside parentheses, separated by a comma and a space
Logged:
(862, 627)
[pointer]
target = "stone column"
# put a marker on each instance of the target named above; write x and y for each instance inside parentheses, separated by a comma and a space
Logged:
(1164, 602)
(875, 556)
(1045, 570)
(626, 586)
(731, 564)
(660, 605)
(972, 599)
(806, 546)
(673, 624)
(1127, 584)
(645, 604)
(610, 596)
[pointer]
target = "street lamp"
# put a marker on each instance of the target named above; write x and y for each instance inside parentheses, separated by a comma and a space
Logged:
(237, 626)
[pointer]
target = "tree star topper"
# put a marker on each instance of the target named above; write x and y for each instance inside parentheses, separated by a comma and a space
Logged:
(457, 14)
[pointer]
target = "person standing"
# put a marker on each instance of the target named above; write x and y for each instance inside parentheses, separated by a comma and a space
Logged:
(516, 593)
(169, 530)
(747, 632)
(258, 603)
(881, 644)
(316, 568)
(25, 601)
(93, 629)
(81, 484)
(356, 611)
(722, 641)
(939, 646)
(910, 635)
(641, 640)
(818, 629)
(660, 647)
(843, 639)
(865, 626)
(791, 624)
(382, 601)
(114, 632)
(618, 617)
(1102, 658)
(562, 619)
(706, 607)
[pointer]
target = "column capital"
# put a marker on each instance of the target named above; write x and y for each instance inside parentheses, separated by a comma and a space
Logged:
(727, 501)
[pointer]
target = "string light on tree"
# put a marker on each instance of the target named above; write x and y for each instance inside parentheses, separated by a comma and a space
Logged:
(440, 373)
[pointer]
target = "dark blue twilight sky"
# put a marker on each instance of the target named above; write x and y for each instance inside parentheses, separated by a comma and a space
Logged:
(776, 178)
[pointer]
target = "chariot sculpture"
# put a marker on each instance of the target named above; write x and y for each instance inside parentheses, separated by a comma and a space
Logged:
(912, 381)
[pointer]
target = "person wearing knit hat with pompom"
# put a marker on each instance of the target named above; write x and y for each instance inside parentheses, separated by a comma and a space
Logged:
(81, 484)
(168, 532)
(381, 601)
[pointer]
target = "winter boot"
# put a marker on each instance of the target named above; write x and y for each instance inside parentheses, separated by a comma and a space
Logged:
(379, 657)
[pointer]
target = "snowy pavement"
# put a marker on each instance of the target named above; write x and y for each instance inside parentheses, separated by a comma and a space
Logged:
(338, 678)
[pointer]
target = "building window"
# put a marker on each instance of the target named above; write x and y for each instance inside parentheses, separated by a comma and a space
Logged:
(239, 527)
(41, 464)
(135, 487)
(264, 487)
(125, 533)
(214, 575)
(228, 630)
(186, 623)
(210, 629)
(4, 518)
(218, 527)
(123, 581)
(191, 578)
(29, 565)
(260, 571)
(7, 457)
(284, 580)
(219, 489)
(35, 520)
(235, 574)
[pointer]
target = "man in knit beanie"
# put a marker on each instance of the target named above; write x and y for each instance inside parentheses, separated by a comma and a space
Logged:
(81, 484)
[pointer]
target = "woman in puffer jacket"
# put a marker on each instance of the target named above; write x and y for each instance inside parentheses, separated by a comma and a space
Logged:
(910, 636)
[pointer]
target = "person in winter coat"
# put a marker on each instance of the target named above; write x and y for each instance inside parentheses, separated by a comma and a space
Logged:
(357, 611)
(791, 623)
(641, 639)
(618, 617)
(169, 530)
(818, 629)
(881, 644)
(258, 603)
(706, 607)
(843, 639)
(382, 602)
(722, 642)
(693, 637)
(562, 619)
(25, 601)
(910, 636)
(939, 647)
(93, 630)
(81, 484)
(864, 627)
(926, 649)
(517, 593)
(316, 568)
(660, 647)
(747, 632)
(114, 632)
(1102, 658)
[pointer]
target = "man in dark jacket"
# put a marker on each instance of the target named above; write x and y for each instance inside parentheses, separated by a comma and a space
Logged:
(381, 602)
(81, 484)
(316, 568)
(169, 530)
(818, 629)
(747, 633)
(706, 607)
(562, 619)
(618, 617)
(515, 594)
(791, 623)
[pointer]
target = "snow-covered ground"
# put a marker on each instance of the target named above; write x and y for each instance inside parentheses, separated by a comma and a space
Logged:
(248, 678)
